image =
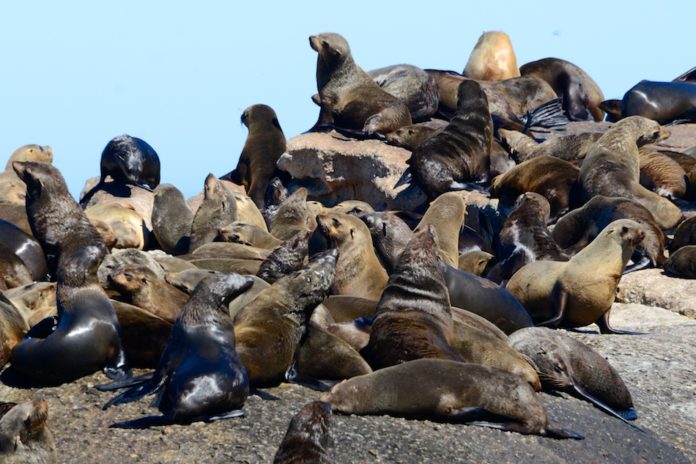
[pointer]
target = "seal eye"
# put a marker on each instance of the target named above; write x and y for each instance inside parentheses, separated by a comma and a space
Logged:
(624, 229)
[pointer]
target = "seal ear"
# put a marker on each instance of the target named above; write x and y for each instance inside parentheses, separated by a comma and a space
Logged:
(352, 231)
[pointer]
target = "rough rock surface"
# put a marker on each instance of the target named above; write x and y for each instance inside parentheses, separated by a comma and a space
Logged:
(657, 367)
(654, 288)
(334, 169)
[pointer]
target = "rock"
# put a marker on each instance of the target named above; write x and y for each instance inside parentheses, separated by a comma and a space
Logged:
(653, 288)
(334, 169)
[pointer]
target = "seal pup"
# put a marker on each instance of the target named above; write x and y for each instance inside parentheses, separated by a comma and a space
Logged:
(171, 219)
(571, 148)
(413, 319)
(286, 258)
(199, 376)
(449, 390)
(460, 154)
(566, 364)
(612, 168)
(581, 291)
(682, 263)
(218, 208)
(24, 434)
(412, 85)
(358, 271)
(56, 220)
(86, 336)
(349, 97)
(409, 137)
(307, 438)
(264, 144)
(268, 330)
(492, 59)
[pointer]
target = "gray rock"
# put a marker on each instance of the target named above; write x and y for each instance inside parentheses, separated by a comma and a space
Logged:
(653, 288)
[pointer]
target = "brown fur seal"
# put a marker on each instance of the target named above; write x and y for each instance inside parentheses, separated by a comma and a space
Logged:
(411, 85)
(682, 263)
(571, 148)
(687, 161)
(460, 153)
(474, 261)
(87, 335)
(263, 146)
(566, 364)
(291, 216)
(199, 376)
(446, 214)
(448, 390)
(550, 177)
(285, 259)
(581, 291)
(143, 335)
(492, 59)
(390, 234)
(684, 235)
(32, 152)
(24, 434)
(268, 330)
(56, 220)
(580, 93)
(13, 326)
(122, 223)
(578, 228)
(413, 319)
(409, 137)
(663, 102)
(219, 208)
(307, 438)
(349, 97)
(662, 174)
(13, 271)
(248, 234)
(16, 242)
(612, 168)
(358, 271)
(171, 219)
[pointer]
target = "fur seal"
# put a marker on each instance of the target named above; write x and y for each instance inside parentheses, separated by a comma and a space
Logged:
(122, 224)
(684, 235)
(492, 59)
(411, 85)
(291, 216)
(571, 148)
(474, 261)
(87, 335)
(460, 153)
(682, 263)
(581, 291)
(550, 177)
(413, 319)
(409, 137)
(143, 334)
(390, 234)
(446, 214)
(31, 152)
(171, 219)
(263, 146)
(349, 97)
(218, 208)
(612, 168)
(307, 438)
(687, 161)
(199, 376)
(56, 220)
(285, 259)
(358, 271)
(448, 390)
(566, 364)
(248, 234)
(662, 174)
(13, 326)
(579, 91)
(24, 434)
(663, 102)
(268, 330)
(130, 160)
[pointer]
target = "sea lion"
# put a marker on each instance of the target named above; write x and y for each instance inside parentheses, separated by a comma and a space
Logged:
(248, 234)
(218, 208)
(492, 59)
(566, 364)
(291, 216)
(87, 335)
(171, 219)
(446, 214)
(448, 390)
(285, 259)
(413, 319)
(349, 97)
(682, 263)
(525, 237)
(199, 376)
(56, 220)
(24, 434)
(571, 148)
(663, 102)
(409, 137)
(550, 177)
(581, 291)
(307, 438)
(411, 85)
(31, 152)
(612, 168)
(460, 153)
(579, 91)
(358, 271)
(122, 222)
(684, 235)
(474, 261)
(263, 146)
(662, 174)
(268, 330)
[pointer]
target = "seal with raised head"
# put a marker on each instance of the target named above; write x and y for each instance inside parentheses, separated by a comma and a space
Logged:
(448, 390)
(87, 335)
(307, 438)
(349, 97)
(218, 208)
(263, 146)
(390, 234)
(24, 434)
(171, 219)
(612, 168)
(446, 214)
(460, 154)
(199, 376)
(412, 85)
(291, 216)
(492, 59)
(581, 291)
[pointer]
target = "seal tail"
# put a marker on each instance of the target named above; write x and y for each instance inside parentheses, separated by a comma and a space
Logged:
(549, 115)
(623, 416)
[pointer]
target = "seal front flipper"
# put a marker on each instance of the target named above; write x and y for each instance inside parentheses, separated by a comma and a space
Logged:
(605, 328)
(549, 431)
(560, 297)
(43, 328)
(624, 416)
(118, 368)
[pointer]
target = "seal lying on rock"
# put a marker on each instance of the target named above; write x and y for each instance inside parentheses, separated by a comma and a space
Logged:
(24, 434)
(307, 437)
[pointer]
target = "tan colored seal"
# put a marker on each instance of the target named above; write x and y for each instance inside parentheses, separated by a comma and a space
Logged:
(24, 434)
(446, 214)
(492, 59)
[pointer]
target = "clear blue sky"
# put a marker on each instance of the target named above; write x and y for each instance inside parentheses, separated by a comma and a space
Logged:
(179, 74)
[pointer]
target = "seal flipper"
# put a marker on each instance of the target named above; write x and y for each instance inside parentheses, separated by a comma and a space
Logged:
(605, 328)
(548, 115)
(641, 260)
(43, 328)
(604, 407)
(550, 432)
(228, 415)
(118, 368)
(292, 375)
(351, 133)
(560, 296)
(136, 392)
(123, 383)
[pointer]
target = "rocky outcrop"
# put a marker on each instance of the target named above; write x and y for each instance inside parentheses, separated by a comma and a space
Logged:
(653, 288)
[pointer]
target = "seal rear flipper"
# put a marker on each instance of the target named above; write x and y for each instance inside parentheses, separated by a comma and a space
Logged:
(623, 416)
(292, 375)
(118, 368)
(351, 133)
(469, 186)
(125, 382)
(141, 423)
(136, 392)
(228, 415)
(606, 328)
(263, 395)
(553, 432)
(641, 260)
(549, 115)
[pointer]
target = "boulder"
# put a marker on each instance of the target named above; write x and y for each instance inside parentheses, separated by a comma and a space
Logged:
(653, 288)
